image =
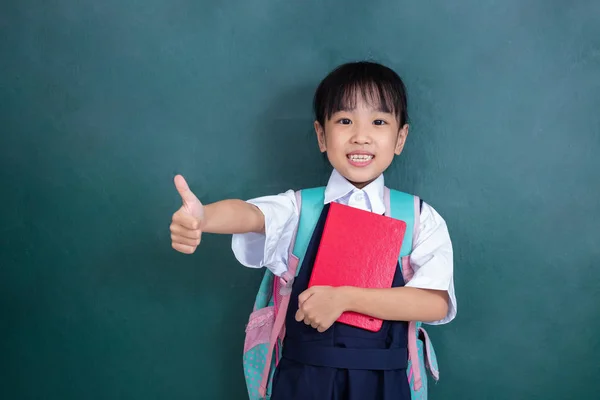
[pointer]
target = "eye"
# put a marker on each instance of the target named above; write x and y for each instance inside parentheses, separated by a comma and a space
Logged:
(344, 121)
(379, 122)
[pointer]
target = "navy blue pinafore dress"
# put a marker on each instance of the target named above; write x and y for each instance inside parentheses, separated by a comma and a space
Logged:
(343, 362)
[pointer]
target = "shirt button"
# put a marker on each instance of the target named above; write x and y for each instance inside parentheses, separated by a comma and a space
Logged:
(359, 197)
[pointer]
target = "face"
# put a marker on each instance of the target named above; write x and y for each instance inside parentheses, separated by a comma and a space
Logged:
(361, 143)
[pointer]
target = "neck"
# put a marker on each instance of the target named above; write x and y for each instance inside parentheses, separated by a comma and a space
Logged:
(360, 185)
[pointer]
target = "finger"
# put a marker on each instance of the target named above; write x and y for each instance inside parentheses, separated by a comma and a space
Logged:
(180, 230)
(305, 295)
(299, 315)
(186, 220)
(314, 325)
(307, 320)
(182, 248)
(185, 241)
(186, 194)
(322, 328)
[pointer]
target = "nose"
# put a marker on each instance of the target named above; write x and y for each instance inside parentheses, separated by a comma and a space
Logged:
(361, 136)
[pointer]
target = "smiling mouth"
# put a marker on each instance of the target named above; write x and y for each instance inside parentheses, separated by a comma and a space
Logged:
(360, 157)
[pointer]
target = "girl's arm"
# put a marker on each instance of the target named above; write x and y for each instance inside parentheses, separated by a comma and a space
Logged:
(397, 304)
(232, 216)
(321, 306)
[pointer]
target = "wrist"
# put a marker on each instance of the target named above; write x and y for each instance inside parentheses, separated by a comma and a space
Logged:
(348, 297)
(205, 220)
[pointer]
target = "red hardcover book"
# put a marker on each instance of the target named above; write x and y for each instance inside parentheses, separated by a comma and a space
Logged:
(358, 248)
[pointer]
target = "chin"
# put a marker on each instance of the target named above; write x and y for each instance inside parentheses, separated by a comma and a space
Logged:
(360, 180)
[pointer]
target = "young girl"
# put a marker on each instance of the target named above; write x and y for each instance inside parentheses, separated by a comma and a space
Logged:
(361, 124)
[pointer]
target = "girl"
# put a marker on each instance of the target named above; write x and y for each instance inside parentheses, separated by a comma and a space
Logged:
(361, 124)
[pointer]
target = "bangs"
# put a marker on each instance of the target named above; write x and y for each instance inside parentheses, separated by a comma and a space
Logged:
(378, 86)
(378, 96)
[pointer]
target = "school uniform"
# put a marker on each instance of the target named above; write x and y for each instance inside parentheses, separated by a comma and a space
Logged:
(344, 362)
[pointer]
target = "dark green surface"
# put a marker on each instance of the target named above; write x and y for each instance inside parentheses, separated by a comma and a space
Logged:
(101, 103)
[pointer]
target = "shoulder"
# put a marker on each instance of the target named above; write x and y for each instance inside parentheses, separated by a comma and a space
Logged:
(424, 207)
(290, 196)
(312, 195)
(433, 225)
(318, 191)
(398, 197)
(429, 217)
(312, 189)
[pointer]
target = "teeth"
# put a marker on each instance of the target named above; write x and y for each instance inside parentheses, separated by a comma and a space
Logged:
(360, 157)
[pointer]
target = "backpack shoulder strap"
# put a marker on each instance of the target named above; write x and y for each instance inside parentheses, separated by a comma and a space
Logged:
(408, 208)
(310, 202)
(405, 207)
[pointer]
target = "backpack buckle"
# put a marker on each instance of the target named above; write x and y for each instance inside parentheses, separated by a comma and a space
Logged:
(287, 281)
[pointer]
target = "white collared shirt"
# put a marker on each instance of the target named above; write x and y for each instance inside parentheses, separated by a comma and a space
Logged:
(431, 257)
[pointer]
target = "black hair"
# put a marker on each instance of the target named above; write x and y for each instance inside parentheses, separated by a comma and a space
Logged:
(375, 83)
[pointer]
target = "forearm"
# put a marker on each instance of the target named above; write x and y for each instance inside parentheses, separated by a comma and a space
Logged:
(398, 304)
(232, 216)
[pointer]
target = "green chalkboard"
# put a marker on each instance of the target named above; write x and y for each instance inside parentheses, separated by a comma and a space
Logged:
(103, 102)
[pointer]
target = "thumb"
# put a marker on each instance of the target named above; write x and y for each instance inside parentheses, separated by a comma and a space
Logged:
(305, 296)
(190, 201)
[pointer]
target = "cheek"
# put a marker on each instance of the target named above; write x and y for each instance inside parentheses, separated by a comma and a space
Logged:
(388, 145)
(388, 140)
(334, 139)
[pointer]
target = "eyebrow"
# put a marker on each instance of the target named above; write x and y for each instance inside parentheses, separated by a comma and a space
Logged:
(380, 109)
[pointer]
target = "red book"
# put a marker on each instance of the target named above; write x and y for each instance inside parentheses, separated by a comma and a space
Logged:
(358, 248)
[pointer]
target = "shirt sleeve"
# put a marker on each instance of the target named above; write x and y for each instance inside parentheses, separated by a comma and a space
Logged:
(270, 249)
(432, 259)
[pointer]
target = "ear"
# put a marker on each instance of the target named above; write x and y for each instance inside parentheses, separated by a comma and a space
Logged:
(320, 136)
(402, 134)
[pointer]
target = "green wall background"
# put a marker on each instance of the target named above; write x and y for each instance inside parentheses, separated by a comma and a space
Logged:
(101, 103)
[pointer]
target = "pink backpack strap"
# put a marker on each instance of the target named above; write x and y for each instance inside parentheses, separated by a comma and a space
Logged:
(407, 273)
(413, 350)
(282, 289)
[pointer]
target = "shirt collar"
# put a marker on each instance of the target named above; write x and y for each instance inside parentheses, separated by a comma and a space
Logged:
(338, 187)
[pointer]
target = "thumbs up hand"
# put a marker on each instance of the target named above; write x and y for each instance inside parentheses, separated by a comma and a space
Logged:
(186, 226)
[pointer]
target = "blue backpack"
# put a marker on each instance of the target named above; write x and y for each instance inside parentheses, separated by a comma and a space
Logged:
(266, 325)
